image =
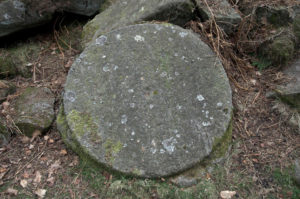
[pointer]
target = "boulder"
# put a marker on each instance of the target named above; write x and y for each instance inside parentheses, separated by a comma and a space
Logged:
(127, 12)
(290, 93)
(82, 7)
(34, 110)
(226, 17)
(6, 88)
(149, 100)
(18, 60)
(16, 15)
(5, 135)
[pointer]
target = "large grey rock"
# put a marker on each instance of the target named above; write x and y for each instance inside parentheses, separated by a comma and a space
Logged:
(149, 100)
(127, 12)
(82, 7)
(290, 92)
(34, 110)
(19, 14)
(225, 16)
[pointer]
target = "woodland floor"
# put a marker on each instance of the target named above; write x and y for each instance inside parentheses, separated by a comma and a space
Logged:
(260, 164)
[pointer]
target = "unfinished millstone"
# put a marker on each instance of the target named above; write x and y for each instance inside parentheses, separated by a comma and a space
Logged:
(149, 100)
(128, 12)
(226, 17)
(34, 110)
(290, 93)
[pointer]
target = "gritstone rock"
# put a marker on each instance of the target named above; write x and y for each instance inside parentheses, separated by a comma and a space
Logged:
(225, 16)
(34, 110)
(290, 93)
(149, 100)
(127, 12)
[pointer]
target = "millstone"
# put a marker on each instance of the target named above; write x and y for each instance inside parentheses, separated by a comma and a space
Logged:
(149, 100)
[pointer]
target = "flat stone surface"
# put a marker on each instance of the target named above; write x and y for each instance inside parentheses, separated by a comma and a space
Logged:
(149, 100)
(127, 12)
(34, 110)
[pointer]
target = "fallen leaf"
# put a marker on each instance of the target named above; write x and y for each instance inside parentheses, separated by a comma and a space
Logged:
(25, 139)
(227, 194)
(69, 64)
(24, 183)
(12, 191)
(51, 141)
(2, 170)
(51, 181)
(63, 152)
(31, 146)
(35, 134)
(46, 137)
(2, 175)
(40, 193)
(54, 167)
(38, 177)
(26, 174)
(5, 105)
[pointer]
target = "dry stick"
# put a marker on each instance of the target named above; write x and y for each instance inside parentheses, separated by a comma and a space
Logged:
(37, 156)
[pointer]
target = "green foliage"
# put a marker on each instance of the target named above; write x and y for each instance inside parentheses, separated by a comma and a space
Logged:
(262, 63)
(285, 180)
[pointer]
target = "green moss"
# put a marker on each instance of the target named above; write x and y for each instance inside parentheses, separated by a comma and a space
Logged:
(81, 123)
(296, 26)
(220, 145)
(111, 149)
(137, 172)
(7, 67)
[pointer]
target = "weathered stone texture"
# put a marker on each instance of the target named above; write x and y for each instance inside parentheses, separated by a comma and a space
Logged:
(34, 110)
(128, 12)
(149, 100)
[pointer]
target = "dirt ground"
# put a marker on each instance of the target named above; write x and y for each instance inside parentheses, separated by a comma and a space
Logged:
(260, 164)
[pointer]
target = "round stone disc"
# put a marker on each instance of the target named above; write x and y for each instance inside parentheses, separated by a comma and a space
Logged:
(147, 100)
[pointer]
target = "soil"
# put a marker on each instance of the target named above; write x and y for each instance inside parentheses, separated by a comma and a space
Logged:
(264, 144)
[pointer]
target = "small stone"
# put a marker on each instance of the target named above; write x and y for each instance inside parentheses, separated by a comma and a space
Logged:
(34, 110)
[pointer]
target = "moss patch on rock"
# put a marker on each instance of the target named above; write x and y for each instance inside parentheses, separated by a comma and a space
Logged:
(81, 123)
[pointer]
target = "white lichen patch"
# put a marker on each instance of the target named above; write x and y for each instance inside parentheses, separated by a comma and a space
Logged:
(71, 96)
(179, 107)
(169, 144)
(118, 36)
(139, 38)
(123, 119)
(132, 105)
(183, 34)
(206, 124)
(200, 98)
(142, 9)
(104, 56)
(151, 106)
(162, 151)
(132, 133)
(101, 40)
(106, 68)
(175, 54)
(163, 74)
(219, 104)
(130, 90)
